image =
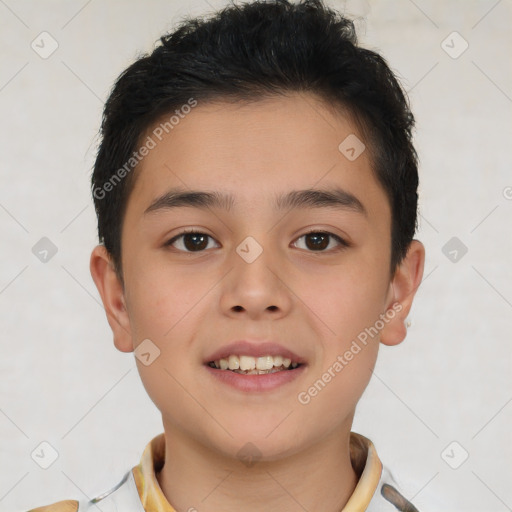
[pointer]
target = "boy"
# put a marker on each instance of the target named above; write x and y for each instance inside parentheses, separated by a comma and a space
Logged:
(256, 193)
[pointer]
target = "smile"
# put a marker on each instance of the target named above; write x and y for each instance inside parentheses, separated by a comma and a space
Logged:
(248, 365)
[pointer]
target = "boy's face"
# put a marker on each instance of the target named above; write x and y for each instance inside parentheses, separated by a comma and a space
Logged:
(311, 295)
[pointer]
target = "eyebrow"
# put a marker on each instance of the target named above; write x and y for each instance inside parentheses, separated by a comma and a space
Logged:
(337, 198)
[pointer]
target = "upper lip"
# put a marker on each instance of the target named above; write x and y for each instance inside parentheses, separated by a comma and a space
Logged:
(254, 349)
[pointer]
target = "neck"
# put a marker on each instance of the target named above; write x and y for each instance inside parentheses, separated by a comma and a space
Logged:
(319, 478)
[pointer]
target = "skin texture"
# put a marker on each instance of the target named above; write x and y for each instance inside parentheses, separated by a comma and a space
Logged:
(315, 303)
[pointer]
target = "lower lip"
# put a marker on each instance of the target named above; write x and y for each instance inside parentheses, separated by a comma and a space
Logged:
(256, 383)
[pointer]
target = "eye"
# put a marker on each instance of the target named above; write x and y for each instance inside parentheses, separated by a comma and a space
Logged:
(190, 241)
(197, 241)
(319, 240)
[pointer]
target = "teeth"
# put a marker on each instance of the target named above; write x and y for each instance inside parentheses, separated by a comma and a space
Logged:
(255, 365)
(259, 372)
(247, 363)
(234, 363)
(265, 363)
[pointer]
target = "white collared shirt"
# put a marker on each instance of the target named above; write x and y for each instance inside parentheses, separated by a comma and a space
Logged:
(139, 490)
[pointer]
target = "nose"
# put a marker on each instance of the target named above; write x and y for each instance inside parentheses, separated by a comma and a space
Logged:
(256, 288)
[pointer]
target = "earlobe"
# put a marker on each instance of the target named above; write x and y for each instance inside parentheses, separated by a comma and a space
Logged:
(112, 295)
(404, 285)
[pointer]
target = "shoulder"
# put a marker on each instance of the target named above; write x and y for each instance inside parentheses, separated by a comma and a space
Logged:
(377, 490)
(124, 496)
(61, 506)
(389, 497)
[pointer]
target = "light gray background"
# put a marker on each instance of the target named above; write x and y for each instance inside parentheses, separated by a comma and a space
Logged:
(63, 381)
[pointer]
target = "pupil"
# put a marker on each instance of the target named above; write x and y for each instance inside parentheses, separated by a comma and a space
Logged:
(316, 237)
(194, 246)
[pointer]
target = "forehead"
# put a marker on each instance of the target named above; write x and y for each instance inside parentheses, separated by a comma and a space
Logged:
(256, 152)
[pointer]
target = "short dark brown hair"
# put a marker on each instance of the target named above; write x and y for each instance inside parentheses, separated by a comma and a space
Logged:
(249, 52)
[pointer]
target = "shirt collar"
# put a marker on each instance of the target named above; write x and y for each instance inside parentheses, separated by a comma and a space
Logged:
(362, 453)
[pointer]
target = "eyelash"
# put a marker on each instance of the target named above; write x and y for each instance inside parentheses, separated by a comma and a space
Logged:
(343, 244)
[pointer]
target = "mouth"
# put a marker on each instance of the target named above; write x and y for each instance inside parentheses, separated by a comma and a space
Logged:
(249, 365)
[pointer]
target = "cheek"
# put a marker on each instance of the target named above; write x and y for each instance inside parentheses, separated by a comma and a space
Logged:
(161, 298)
(346, 302)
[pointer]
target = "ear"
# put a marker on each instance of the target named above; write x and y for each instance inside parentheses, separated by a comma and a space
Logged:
(112, 295)
(403, 287)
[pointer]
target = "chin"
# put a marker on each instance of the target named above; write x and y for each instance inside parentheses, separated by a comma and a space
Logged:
(252, 444)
